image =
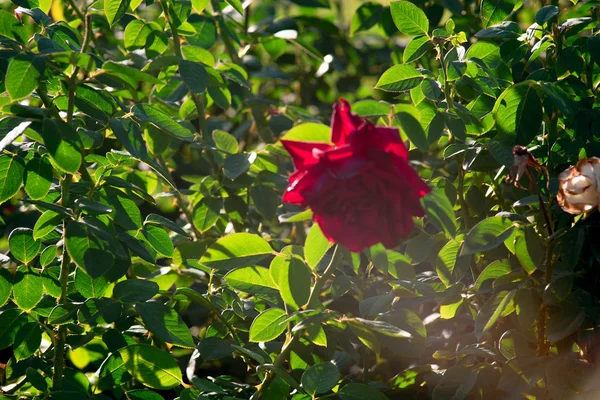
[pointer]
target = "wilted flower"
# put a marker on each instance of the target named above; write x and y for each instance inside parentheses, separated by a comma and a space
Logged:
(579, 186)
(523, 159)
(361, 189)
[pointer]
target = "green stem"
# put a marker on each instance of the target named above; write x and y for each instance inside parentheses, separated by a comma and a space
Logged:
(313, 300)
(224, 34)
(61, 337)
(461, 198)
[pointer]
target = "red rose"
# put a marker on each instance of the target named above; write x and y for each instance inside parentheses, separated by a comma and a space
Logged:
(361, 189)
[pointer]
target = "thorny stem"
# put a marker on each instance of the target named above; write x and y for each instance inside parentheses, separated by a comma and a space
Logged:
(313, 302)
(61, 337)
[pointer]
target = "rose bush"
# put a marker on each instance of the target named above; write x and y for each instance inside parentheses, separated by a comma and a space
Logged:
(147, 251)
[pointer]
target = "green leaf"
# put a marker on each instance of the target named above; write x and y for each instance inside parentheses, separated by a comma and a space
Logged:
(235, 165)
(451, 267)
(135, 290)
(518, 112)
(266, 200)
(27, 340)
(38, 177)
(46, 223)
(491, 311)
(51, 276)
(23, 246)
(359, 391)
(237, 5)
(309, 132)
(320, 378)
(409, 18)
(162, 121)
(217, 89)
(495, 11)
(12, 169)
(90, 287)
(225, 141)
(159, 220)
(504, 30)
(487, 234)
(115, 9)
(199, 5)
(165, 323)
(495, 270)
(151, 366)
(11, 28)
(194, 76)
(564, 321)
(365, 17)
(141, 394)
(36, 379)
(88, 250)
(28, 288)
(400, 77)
(23, 75)
(125, 211)
(159, 240)
(268, 325)
(62, 145)
(294, 283)
(92, 207)
(487, 52)
(206, 213)
(253, 280)
(381, 327)
(316, 246)
(416, 48)
(236, 250)
(6, 279)
(371, 108)
(546, 13)
(440, 212)
(130, 137)
(530, 250)
(136, 34)
(11, 321)
(412, 128)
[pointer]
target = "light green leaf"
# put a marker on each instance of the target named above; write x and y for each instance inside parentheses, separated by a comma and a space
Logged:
(159, 240)
(11, 28)
(62, 145)
(23, 246)
(365, 17)
(253, 280)
(236, 250)
(309, 132)
(518, 112)
(159, 220)
(495, 11)
(151, 366)
(23, 75)
(206, 213)
(28, 288)
(46, 223)
(115, 9)
(316, 246)
(162, 121)
(409, 18)
(294, 283)
(440, 212)
(268, 325)
(451, 267)
(199, 5)
(12, 169)
(90, 287)
(400, 77)
(38, 177)
(6, 279)
(225, 141)
(416, 48)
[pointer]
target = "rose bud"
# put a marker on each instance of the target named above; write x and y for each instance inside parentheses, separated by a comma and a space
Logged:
(578, 187)
(361, 188)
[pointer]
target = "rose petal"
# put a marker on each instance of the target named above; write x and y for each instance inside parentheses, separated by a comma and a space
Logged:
(304, 154)
(343, 122)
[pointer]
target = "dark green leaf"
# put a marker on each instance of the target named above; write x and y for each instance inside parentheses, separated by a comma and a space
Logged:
(151, 366)
(320, 378)
(165, 323)
(38, 177)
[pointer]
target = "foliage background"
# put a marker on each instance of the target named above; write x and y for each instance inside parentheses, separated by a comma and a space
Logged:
(147, 252)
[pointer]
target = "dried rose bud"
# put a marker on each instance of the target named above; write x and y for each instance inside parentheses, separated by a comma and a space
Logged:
(579, 186)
